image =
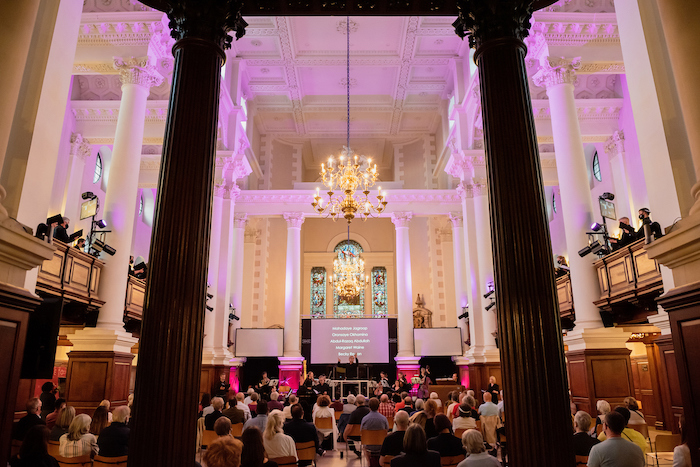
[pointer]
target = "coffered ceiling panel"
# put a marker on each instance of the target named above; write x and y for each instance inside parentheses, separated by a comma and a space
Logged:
(380, 80)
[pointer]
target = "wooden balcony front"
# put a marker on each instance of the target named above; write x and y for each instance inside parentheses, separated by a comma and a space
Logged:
(629, 283)
(135, 295)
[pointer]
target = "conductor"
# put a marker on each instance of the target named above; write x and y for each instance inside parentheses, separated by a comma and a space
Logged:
(350, 367)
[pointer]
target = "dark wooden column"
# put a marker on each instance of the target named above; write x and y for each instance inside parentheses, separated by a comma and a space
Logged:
(532, 351)
(170, 353)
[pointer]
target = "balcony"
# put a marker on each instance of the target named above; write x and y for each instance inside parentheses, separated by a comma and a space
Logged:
(566, 301)
(133, 304)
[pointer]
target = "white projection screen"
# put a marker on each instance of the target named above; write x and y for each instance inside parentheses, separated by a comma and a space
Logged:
(259, 342)
(368, 338)
(437, 342)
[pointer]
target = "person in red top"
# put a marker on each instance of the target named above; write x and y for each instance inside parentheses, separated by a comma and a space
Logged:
(402, 404)
(386, 408)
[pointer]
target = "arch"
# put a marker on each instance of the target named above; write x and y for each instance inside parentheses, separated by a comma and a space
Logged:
(590, 150)
(149, 205)
(106, 155)
(330, 248)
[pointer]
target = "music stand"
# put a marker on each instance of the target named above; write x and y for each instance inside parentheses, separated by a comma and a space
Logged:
(340, 372)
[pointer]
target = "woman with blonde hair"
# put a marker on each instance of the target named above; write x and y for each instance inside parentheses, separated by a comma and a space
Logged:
(223, 452)
(276, 443)
(78, 441)
(473, 443)
(418, 418)
(603, 408)
(62, 423)
(107, 404)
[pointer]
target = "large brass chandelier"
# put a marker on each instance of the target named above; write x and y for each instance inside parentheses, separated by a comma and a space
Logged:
(350, 175)
(348, 276)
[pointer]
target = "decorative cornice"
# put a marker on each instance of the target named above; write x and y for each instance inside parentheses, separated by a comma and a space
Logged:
(108, 111)
(616, 143)
(401, 219)
(251, 235)
(137, 30)
(137, 71)
(587, 109)
(91, 68)
(587, 28)
(555, 71)
(457, 220)
(79, 146)
(294, 219)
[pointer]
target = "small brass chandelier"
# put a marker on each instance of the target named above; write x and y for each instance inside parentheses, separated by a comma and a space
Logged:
(349, 176)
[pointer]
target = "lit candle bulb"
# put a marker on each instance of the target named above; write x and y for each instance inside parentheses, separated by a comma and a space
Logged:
(369, 161)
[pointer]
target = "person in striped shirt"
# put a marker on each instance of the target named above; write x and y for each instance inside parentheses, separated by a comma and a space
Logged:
(78, 441)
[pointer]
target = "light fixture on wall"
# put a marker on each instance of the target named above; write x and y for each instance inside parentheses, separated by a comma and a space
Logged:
(348, 176)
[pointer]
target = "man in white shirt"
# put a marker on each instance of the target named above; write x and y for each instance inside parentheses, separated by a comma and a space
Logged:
(243, 406)
(287, 411)
(248, 400)
(615, 451)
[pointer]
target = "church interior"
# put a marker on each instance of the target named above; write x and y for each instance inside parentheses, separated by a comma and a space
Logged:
(197, 189)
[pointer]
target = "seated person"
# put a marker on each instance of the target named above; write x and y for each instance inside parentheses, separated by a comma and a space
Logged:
(300, 430)
(253, 454)
(278, 444)
(34, 450)
(62, 423)
(53, 416)
(374, 421)
(32, 418)
(114, 439)
(416, 451)
(615, 450)
(78, 441)
(473, 443)
(636, 416)
(222, 427)
(260, 420)
(276, 401)
(582, 440)
(445, 442)
(209, 420)
(287, 411)
(356, 419)
(223, 452)
(488, 408)
(393, 443)
(629, 434)
(466, 419)
(233, 413)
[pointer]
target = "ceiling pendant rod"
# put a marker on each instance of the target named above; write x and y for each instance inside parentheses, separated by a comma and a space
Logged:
(347, 78)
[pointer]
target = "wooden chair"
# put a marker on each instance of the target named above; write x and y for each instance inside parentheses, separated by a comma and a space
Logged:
(325, 423)
(371, 438)
(53, 448)
(208, 436)
(664, 444)
(581, 460)
(81, 461)
(387, 461)
(598, 429)
(286, 461)
(355, 432)
(14, 449)
(459, 432)
(503, 444)
(338, 413)
(390, 420)
(306, 451)
(100, 461)
(642, 428)
(451, 461)
(478, 425)
(237, 430)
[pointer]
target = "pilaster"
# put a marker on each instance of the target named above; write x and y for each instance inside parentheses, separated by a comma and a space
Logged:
(404, 287)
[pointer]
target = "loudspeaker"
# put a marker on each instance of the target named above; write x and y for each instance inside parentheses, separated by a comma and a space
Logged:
(42, 336)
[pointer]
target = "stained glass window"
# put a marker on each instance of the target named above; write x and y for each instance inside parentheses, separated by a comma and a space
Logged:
(379, 305)
(318, 292)
(354, 307)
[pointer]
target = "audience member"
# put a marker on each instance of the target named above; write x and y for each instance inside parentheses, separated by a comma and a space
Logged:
(431, 411)
(260, 420)
(242, 406)
(248, 399)
(253, 454)
(356, 419)
(62, 423)
(233, 413)
(48, 399)
(34, 450)
(488, 408)
(615, 451)
(393, 443)
(582, 440)
(408, 405)
(466, 419)
(603, 408)
(681, 453)
(434, 396)
(78, 441)
(287, 411)
(300, 430)
(275, 401)
(106, 404)
(114, 439)
(100, 420)
(223, 452)
(349, 405)
(628, 433)
(205, 407)
(636, 416)
(500, 405)
(418, 418)
(222, 426)
(419, 405)
(323, 410)
(416, 452)
(277, 444)
(53, 416)
(32, 418)
(445, 442)
(386, 408)
(253, 406)
(473, 443)
(374, 421)
(402, 403)
(454, 402)
(209, 420)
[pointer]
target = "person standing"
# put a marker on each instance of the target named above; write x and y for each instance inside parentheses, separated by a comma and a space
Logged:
(493, 388)
(424, 387)
(61, 231)
(221, 388)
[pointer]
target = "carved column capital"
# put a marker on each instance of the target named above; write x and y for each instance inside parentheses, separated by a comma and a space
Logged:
(212, 19)
(554, 71)
(484, 20)
(457, 220)
(615, 144)
(479, 188)
(226, 190)
(240, 220)
(80, 146)
(294, 219)
(251, 235)
(401, 219)
(137, 70)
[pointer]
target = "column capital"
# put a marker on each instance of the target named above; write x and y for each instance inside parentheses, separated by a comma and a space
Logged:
(457, 220)
(294, 219)
(401, 219)
(210, 20)
(240, 220)
(484, 20)
(226, 191)
(554, 71)
(616, 143)
(251, 234)
(137, 70)
(80, 146)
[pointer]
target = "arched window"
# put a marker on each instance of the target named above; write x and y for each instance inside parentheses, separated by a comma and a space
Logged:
(554, 202)
(379, 303)
(140, 205)
(318, 292)
(596, 167)
(354, 307)
(98, 169)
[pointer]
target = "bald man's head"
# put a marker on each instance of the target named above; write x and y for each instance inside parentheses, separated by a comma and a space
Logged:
(487, 397)
(384, 398)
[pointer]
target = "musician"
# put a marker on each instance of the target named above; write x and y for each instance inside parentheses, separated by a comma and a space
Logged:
(424, 387)
(322, 388)
(384, 383)
(264, 386)
(221, 389)
(401, 384)
(309, 381)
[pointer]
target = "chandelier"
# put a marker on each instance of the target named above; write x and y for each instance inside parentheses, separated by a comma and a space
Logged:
(349, 176)
(347, 277)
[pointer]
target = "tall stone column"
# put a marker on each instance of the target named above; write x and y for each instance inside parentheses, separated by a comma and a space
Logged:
(460, 275)
(212, 319)
(137, 76)
(406, 361)
(528, 318)
(238, 252)
(615, 149)
(291, 364)
(170, 352)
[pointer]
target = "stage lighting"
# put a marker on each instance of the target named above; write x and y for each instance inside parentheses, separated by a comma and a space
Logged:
(231, 316)
(489, 306)
(599, 249)
(101, 223)
(596, 226)
(109, 250)
(209, 296)
(210, 308)
(465, 313)
(607, 195)
(89, 195)
(99, 246)
(489, 293)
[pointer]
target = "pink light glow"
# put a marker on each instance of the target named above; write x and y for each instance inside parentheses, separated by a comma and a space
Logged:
(233, 379)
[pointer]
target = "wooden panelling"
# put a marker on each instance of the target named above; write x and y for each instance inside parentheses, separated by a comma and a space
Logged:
(135, 295)
(564, 296)
(642, 371)
(479, 374)
(94, 376)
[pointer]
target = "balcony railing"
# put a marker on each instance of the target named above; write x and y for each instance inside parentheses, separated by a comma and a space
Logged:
(135, 294)
(565, 298)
